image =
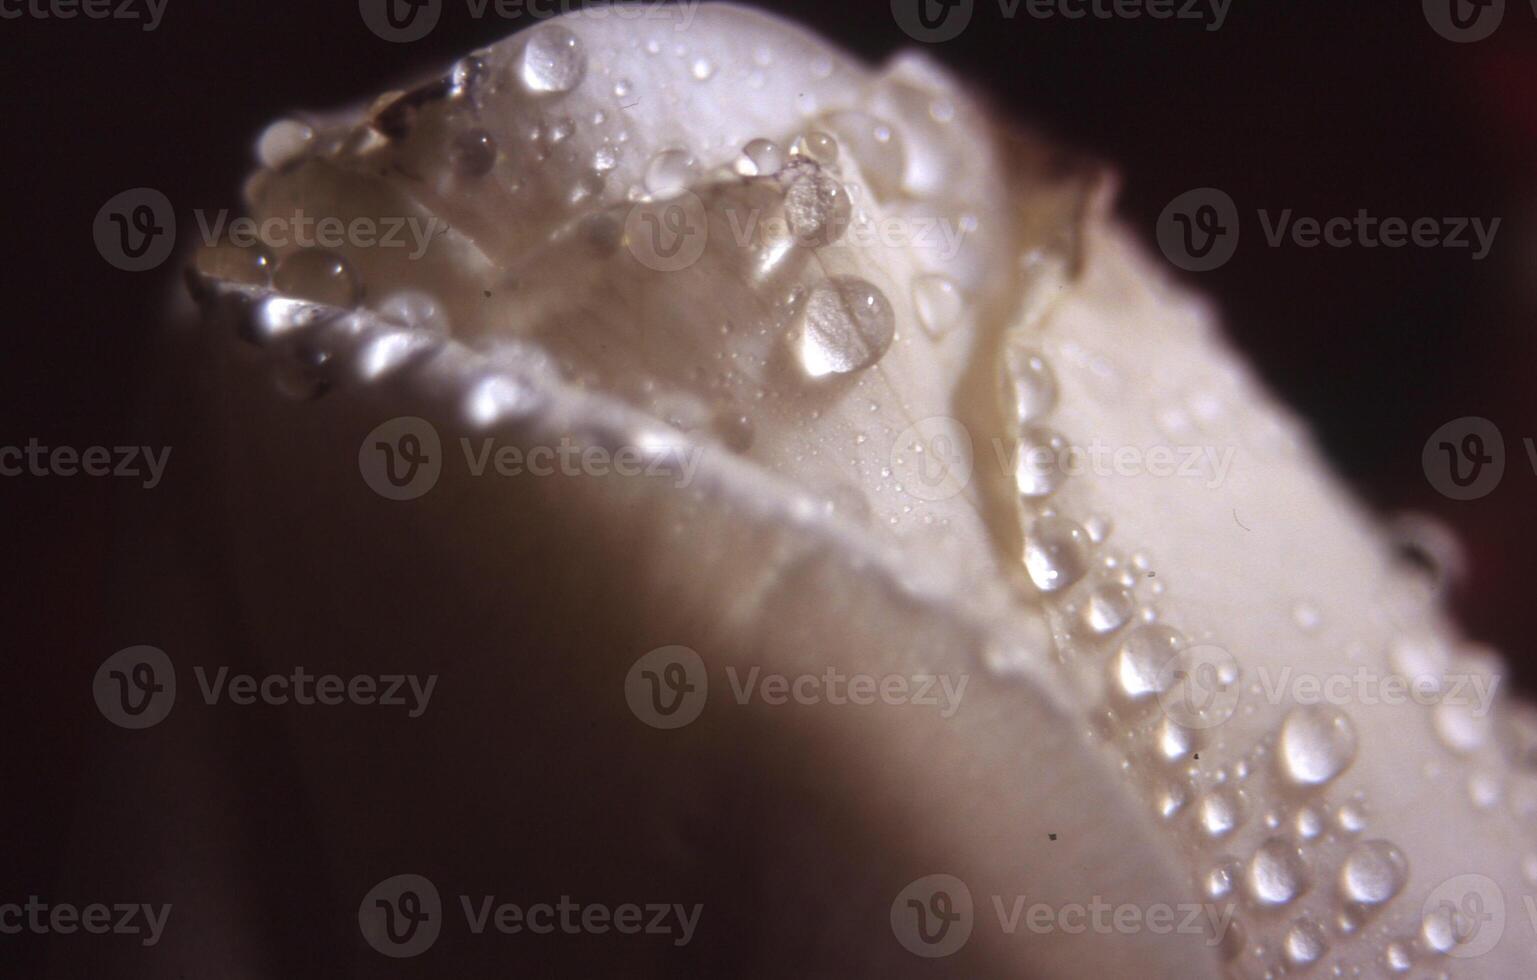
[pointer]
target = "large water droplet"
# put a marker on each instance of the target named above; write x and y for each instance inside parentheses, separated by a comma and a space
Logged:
(669, 174)
(1057, 553)
(1276, 874)
(817, 208)
(1038, 470)
(1137, 670)
(553, 61)
(1029, 386)
(1305, 943)
(473, 153)
(1373, 872)
(761, 158)
(318, 275)
(1317, 743)
(284, 142)
(817, 146)
(845, 325)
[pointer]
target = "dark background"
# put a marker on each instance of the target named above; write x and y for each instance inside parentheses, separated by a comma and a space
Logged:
(1323, 107)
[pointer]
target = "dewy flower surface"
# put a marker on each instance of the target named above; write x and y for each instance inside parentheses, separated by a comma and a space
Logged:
(905, 402)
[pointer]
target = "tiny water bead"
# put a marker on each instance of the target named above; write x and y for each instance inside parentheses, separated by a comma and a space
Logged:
(1138, 668)
(1108, 609)
(1373, 873)
(318, 275)
(284, 142)
(939, 304)
(761, 158)
(703, 69)
(553, 61)
(1038, 472)
(1029, 386)
(1220, 880)
(1276, 874)
(845, 325)
(1305, 943)
(1317, 743)
(817, 208)
(1307, 823)
(669, 174)
(472, 153)
(817, 146)
(1057, 553)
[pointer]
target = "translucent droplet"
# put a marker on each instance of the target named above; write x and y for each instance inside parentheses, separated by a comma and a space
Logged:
(1438, 929)
(1171, 801)
(1373, 873)
(301, 382)
(1396, 957)
(817, 146)
(1039, 469)
(1305, 943)
(1108, 608)
(1029, 386)
(466, 78)
(1220, 880)
(1317, 743)
(1350, 819)
(391, 351)
(703, 69)
(1460, 727)
(939, 303)
(1276, 874)
(845, 325)
(553, 61)
(415, 309)
(247, 264)
(1307, 617)
(1137, 670)
(604, 159)
(1057, 553)
(1221, 812)
(473, 153)
(817, 208)
(669, 174)
(1308, 823)
(1174, 741)
(284, 142)
(318, 275)
(1420, 659)
(1484, 790)
(761, 158)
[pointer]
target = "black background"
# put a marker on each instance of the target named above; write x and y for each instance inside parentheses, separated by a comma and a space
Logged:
(1322, 107)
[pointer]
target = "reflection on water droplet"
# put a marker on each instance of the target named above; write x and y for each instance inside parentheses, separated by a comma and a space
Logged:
(318, 275)
(1395, 956)
(845, 325)
(939, 304)
(250, 265)
(817, 146)
(1305, 943)
(473, 153)
(760, 158)
(1373, 872)
(553, 61)
(1308, 823)
(1438, 929)
(1460, 727)
(1350, 819)
(1029, 386)
(284, 142)
(1276, 874)
(1057, 553)
(1317, 743)
(1137, 670)
(703, 69)
(1108, 608)
(1174, 742)
(1220, 881)
(1038, 471)
(1220, 812)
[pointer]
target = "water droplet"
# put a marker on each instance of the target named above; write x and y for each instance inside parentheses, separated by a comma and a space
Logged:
(1396, 957)
(1108, 608)
(1137, 670)
(760, 158)
(1221, 812)
(500, 397)
(1438, 930)
(817, 208)
(1350, 819)
(247, 264)
(393, 350)
(1317, 743)
(1220, 880)
(1373, 873)
(1171, 801)
(415, 309)
(1421, 659)
(939, 304)
(669, 174)
(1029, 386)
(1038, 470)
(1305, 943)
(284, 142)
(1057, 553)
(623, 88)
(553, 61)
(302, 380)
(605, 158)
(473, 153)
(1485, 790)
(845, 325)
(1276, 874)
(318, 275)
(466, 78)
(1460, 727)
(703, 69)
(818, 147)
(1174, 742)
